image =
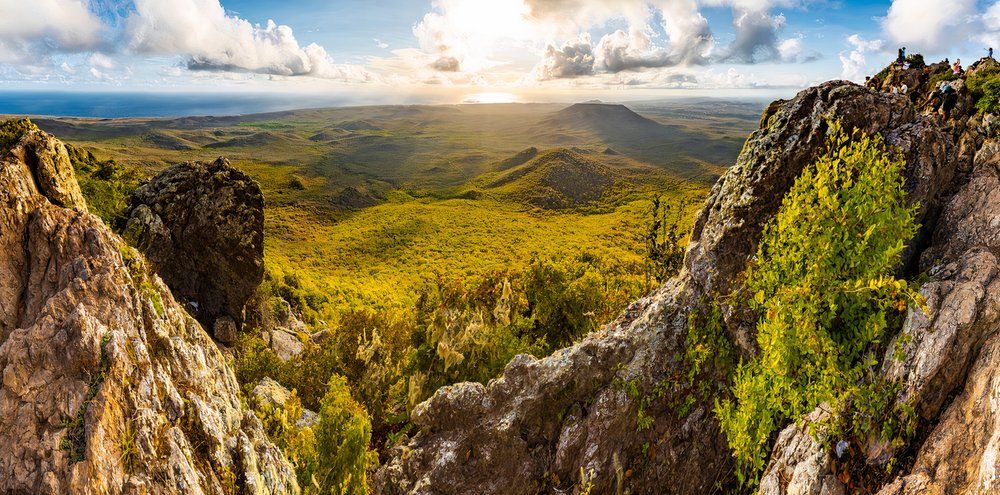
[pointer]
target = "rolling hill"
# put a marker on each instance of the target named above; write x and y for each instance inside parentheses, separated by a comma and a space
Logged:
(564, 178)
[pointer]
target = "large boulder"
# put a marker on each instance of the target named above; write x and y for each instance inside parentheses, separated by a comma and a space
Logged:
(109, 386)
(201, 225)
(534, 428)
(48, 161)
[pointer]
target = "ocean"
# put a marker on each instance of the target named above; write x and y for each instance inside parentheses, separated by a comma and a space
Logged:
(136, 104)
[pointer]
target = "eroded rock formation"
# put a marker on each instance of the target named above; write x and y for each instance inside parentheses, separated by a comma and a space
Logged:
(545, 421)
(201, 225)
(108, 385)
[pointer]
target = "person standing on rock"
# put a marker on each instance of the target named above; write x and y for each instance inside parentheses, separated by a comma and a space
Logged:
(901, 58)
(990, 50)
(957, 68)
(950, 99)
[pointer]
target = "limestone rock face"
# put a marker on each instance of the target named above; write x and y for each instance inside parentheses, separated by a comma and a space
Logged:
(201, 225)
(108, 386)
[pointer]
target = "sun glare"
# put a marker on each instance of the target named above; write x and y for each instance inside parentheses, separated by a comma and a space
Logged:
(492, 97)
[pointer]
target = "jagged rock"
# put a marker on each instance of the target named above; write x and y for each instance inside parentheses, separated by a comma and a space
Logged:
(224, 330)
(275, 395)
(801, 464)
(108, 385)
(932, 356)
(543, 420)
(962, 453)
(48, 162)
(202, 227)
(285, 343)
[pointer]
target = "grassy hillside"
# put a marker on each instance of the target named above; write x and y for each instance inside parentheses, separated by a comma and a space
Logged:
(366, 204)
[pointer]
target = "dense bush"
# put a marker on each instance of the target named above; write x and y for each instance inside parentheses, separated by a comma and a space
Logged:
(823, 284)
(664, 251)
(985, 87)
(459, 330)
(106, 185)
(331, 457)
(11, 132)
(342, 438)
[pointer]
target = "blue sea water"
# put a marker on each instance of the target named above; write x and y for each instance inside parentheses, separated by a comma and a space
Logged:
(134, 104)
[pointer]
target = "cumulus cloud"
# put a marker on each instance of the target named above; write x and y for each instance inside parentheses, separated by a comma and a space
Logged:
(756, 37)
(574, 59)
(30, 34)
(618, 51)
(931, 25)
(213, 40)
(854, 63)
(446, 64)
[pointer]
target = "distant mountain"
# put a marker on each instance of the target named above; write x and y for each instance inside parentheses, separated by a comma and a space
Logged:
(682, 150)
(604, 118)
(557, 179)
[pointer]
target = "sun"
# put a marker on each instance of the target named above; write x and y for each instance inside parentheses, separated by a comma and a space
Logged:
(490, 97)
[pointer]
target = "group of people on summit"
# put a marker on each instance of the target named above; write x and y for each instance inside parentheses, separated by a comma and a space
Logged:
(943, 98)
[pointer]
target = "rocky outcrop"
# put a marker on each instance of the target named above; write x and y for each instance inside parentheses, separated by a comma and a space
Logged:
(957, 348)
(48, 161)
(543, 420)
(109, 386)
(201, 225)
(534, 428)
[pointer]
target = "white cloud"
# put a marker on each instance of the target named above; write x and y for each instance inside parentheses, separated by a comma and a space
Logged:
(212, 40)
(101, 61)
(619, 51)
(790, 49)
(930, 25)
(29, 34)
(381, 44)
(854, 64)
(574, 59)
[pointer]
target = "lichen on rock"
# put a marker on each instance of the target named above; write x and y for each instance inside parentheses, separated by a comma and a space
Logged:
(109, 386)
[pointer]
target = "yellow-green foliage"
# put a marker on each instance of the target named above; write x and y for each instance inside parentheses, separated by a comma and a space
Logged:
(106, 185)
(985, 86)
(459, 330)
(342, 437)
(11, 132)
(823, 283)
(378, 258)
(331, 457)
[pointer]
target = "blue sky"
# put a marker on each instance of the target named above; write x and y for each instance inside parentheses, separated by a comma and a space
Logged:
(493, 50)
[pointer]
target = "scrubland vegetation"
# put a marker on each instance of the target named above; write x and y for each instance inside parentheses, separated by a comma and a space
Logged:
(447, 259)
(823, 284)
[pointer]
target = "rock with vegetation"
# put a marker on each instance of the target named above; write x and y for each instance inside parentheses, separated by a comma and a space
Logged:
(21, 142)
(109, 386)
(631, 407)
(201, 225)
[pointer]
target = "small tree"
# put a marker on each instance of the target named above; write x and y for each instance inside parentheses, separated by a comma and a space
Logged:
(823, 284)
(664, 253)
(342, 438)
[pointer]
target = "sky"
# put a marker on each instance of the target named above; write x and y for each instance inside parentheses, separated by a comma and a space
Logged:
(475, 50)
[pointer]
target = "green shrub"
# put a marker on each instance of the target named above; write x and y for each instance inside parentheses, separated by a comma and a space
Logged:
(342, 438)
(11, 132)
(664, 251)
(823, 283)
(106, 185)
(985, 87)
(937, 79)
